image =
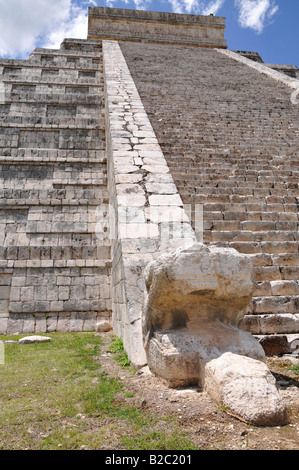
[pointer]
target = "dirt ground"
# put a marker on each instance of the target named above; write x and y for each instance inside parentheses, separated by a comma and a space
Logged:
(206, 424)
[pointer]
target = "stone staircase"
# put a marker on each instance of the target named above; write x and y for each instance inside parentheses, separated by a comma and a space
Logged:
(230, 136)
(54, 256)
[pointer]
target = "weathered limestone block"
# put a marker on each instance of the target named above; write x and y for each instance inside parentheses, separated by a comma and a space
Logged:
(246, 388)
(194, 304)
(103, 326)
(34, 339)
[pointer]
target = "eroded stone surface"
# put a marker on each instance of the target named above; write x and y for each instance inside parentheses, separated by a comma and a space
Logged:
(195, 302)
(196, 284)
(247, 388)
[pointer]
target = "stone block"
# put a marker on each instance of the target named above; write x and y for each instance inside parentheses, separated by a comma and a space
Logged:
(247, 389)
(275, 345)
(34, 339)
(195, 301)
(103, 326)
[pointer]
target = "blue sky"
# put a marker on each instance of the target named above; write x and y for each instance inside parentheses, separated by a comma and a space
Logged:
(270, 27)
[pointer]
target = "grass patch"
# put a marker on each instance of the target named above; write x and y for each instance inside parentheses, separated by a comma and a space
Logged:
(55, 395)
(294, 369)
(120, 355)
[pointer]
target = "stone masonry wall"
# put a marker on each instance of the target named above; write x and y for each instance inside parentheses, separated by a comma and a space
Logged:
(147, 217)
(186, 130)
(230, 137)
(154, 26)
(54, 255)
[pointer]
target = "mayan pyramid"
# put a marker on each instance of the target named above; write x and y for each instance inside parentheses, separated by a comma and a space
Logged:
(150, 115)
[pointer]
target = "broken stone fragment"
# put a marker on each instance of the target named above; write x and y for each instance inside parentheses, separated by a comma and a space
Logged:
(34, 339)
(103, 326)
(246, 388)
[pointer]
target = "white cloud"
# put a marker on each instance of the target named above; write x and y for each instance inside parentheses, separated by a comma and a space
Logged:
(191, 6)
(140, 4)
(255, 14)
(176, 5)
(196, 7)
(24, 24)
(73, 26)
(212, 7)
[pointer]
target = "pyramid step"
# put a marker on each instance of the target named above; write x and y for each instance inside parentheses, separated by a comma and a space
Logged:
(232, 234)
(101, 252)
(279, 344)
(276, 304)
(271, 324)
(266, 247)
(276, 288)
(276, 273)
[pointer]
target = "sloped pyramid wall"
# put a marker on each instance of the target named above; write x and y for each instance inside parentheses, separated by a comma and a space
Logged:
(54, 260)
(224, 133)
(230, 137)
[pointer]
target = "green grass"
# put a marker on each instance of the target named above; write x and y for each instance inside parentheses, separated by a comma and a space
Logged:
(55, 395)
(120, 354)
(294, 369)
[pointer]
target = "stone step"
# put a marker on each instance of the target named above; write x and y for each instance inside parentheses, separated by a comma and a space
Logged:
(256, 173)
(63, 121)
(53, 78)
(234, 186)
(91, 252)
(17, 235)
(284, 212)
(280, 259)
(257, 220)
(276, 273)
(230, 233)
(36, 200)
(255, 247)
(52, 98)
(191, 192)
(277, 288)
(13, 89)
(77, 174)
(260, 324)
(251, 203)
(34, 155)
(55, 138)
(67, 66)
(25, 110)
(278, 345)
(275, 304)
(54, 321)
(49, 264)
(220, 227)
